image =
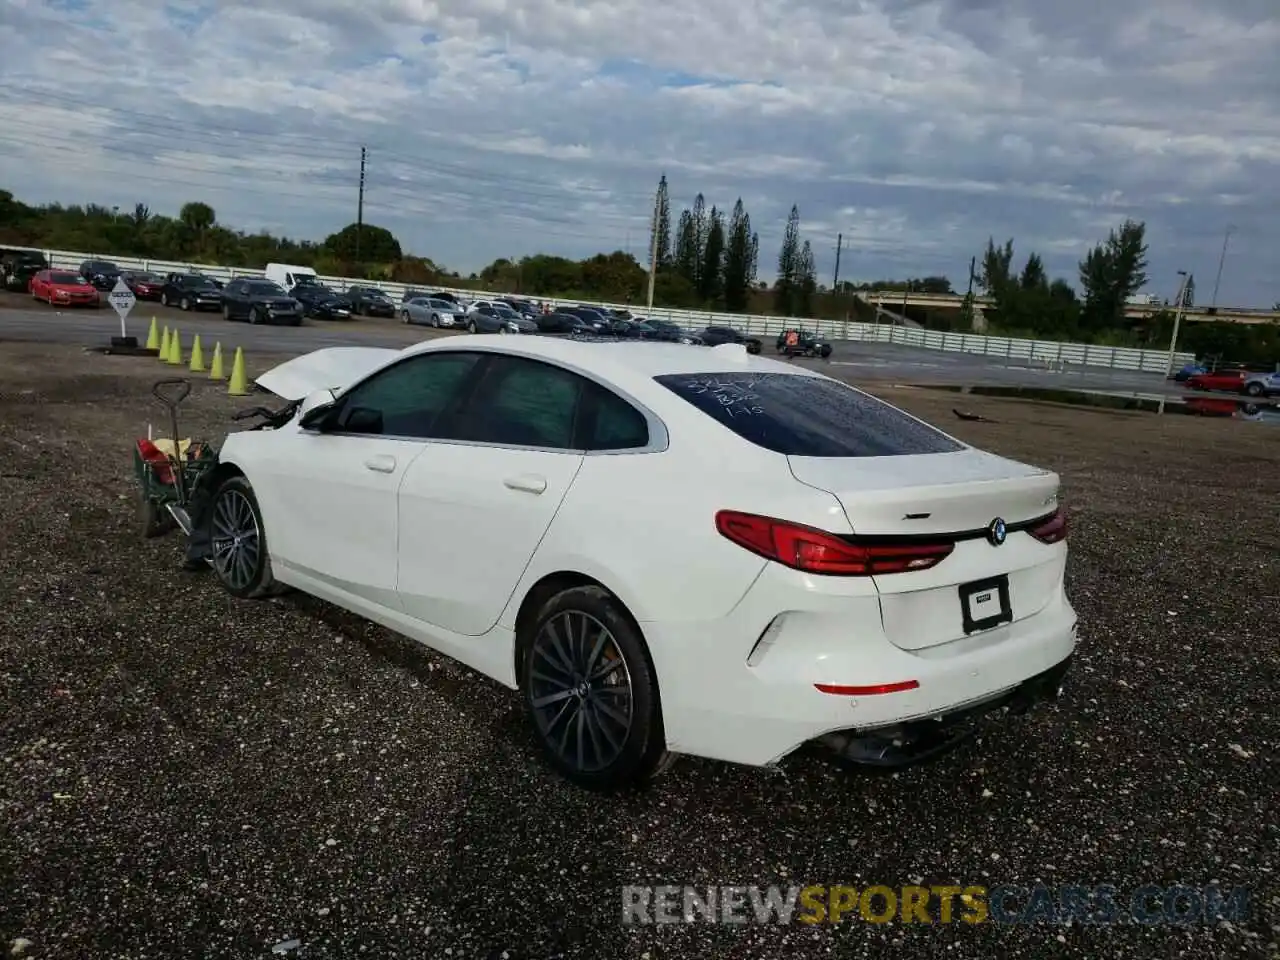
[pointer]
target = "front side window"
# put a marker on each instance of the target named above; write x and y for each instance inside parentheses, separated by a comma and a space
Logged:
(408, 399)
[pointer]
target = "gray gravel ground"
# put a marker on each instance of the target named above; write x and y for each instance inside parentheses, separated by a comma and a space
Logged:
(185, 775)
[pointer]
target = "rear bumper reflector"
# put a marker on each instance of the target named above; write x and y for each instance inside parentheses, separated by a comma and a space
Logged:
(843, 690)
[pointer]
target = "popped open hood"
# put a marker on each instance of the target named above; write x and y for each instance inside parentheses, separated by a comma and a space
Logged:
(331, 368)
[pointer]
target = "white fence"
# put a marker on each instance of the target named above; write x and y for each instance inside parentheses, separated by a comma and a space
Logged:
(1037, 352)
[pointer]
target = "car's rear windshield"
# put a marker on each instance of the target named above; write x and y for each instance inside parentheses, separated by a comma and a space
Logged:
(265, 287)
(803, 416)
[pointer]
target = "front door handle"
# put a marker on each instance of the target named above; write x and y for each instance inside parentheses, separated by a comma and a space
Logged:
(527, 482)
(381, 464)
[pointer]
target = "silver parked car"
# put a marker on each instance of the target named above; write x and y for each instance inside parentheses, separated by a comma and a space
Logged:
(1261, 385)
(433, 312)
(498, 318)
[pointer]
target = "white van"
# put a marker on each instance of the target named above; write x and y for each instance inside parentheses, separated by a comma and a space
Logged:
(288, 275)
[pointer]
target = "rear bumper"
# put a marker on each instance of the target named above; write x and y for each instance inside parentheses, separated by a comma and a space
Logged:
(921, 740)
(727, 698)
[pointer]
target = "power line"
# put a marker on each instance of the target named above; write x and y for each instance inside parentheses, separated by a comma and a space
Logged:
(405, 202)
(315, 146)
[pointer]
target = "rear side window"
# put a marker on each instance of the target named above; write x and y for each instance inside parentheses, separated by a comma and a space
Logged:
(615, 424)
(522, 402)
(801, 416)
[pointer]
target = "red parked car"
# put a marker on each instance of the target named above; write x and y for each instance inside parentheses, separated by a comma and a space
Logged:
(145, 286)
(1231, 381)
(63, 288)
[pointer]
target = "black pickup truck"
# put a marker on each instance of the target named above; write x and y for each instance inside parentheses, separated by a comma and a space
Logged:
(17, 267)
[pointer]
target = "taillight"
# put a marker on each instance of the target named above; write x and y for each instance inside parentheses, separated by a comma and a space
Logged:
(814, 551)
(1052, 529)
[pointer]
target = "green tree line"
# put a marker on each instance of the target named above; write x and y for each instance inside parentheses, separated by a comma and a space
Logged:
(709, 259)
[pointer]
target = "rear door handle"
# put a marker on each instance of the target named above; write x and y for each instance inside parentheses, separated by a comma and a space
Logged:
(527, 483)
(381, 464)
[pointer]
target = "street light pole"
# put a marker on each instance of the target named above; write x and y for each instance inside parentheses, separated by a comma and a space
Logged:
(1221, 260)
(1177, 321)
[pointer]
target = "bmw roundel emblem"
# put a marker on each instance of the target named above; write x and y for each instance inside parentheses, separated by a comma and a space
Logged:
(997, 531)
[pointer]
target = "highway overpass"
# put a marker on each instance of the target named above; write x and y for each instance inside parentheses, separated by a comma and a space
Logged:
(894, 300)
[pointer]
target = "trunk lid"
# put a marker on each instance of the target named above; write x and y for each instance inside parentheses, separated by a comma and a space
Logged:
(953, 497)
(930, 493)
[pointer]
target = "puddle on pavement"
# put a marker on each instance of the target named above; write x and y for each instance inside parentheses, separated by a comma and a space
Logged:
(1239, 408)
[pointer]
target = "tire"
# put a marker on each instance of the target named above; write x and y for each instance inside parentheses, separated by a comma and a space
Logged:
(254, 315)
(471, 326)
(1253, 390)
(164, 299)
(235, 509)
(184, 304)
(404, 316)
(226, 311)
(624, 753)
(153, 521)
(435, 320)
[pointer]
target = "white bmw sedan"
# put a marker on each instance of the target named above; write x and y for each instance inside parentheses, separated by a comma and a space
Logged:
(664, 550)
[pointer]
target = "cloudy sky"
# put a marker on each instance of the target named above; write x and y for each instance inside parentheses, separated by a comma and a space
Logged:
(917, 128)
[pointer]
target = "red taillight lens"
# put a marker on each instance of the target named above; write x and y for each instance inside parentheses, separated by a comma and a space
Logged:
(813, 551)
(1052, 529)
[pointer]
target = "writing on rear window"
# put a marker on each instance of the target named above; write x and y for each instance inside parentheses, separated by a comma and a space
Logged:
(733, 398)
(805, 416)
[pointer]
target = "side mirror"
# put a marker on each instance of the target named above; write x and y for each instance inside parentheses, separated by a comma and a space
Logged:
(317, 417)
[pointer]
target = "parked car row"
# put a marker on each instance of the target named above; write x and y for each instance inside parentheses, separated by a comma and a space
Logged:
(1251, 383)
(289, 293)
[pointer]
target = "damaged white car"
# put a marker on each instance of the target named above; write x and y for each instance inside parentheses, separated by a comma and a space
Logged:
(665, 551)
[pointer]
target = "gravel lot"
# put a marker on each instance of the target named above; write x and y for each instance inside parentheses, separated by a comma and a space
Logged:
(188, 775)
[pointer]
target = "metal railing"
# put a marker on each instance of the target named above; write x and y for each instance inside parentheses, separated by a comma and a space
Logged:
(1049, 353)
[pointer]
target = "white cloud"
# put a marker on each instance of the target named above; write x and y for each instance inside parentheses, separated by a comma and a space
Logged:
(915, 128)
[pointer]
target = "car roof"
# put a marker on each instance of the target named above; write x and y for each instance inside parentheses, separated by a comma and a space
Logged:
(631, 365)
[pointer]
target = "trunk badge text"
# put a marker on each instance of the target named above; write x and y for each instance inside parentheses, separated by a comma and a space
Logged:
(996, 532)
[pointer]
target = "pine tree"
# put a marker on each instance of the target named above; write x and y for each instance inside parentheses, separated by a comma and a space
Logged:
(665, 259)
(1033, 275)
(806, 280)
(699, 238)
(1111, 273)
(785, 287)
(711, 277)
(686, 256)
(738, 269)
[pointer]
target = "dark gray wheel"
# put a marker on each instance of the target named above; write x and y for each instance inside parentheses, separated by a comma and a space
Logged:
(1254, 389)
(591, 692)
(239, 542)
(435, 320)
(226, 311)
(471, 327)
(184, 303)
(164, 299)
(255, 315)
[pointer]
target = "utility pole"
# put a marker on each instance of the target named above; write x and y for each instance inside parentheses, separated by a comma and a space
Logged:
(835, 278)
(1177, 321)
(973, 263)
(653, 255)
(1221, 260)
(360, 204)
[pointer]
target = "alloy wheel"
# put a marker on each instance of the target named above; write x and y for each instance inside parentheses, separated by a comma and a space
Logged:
(580, 691)
(237, 541)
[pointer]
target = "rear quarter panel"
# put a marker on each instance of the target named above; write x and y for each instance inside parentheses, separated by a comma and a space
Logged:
(644, 526)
